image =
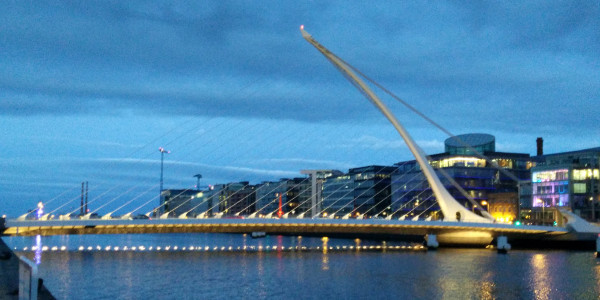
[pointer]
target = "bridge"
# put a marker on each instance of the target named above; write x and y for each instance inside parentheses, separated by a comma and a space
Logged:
(446, 233)
(468, 228)
(461, 232)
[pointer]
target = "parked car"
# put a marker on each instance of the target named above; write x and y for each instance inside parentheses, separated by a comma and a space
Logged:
(141, 217)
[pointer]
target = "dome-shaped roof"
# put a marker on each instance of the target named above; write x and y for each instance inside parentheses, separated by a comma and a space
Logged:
(472, 139)
(482, 142)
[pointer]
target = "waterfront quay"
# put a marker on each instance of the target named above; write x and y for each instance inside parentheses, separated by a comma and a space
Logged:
(9, 276)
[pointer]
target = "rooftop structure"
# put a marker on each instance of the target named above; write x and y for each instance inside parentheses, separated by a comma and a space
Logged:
(481, 142)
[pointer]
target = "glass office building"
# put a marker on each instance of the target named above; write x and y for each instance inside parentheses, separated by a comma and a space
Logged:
(567, 179)
(412, 196)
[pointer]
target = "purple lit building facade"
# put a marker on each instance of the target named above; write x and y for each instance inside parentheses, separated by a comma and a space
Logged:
(568, 179)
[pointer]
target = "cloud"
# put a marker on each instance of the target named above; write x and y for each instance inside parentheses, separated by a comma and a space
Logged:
(199, 58)
(247, 171)
(372, 142)
(304, 163)
(79, 81)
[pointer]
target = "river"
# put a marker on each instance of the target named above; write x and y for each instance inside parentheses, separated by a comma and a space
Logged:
(226, 266)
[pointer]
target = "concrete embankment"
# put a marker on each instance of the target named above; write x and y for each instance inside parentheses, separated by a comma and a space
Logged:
(9, 276)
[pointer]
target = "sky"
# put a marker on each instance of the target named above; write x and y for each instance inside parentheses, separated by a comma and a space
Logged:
(89, 90)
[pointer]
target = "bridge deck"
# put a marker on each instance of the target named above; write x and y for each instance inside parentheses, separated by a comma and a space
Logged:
(285, 226)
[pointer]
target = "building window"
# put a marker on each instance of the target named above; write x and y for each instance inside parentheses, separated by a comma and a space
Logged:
(579, 188)
(543, 176)
(585, 174)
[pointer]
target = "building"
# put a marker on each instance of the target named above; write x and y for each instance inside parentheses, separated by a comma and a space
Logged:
(177, 202)
(502, 206)
(317, 178)
(293, 194)
(372, 190)
(204, 203)
(298, 195)
(268, 194)
(361, 191)
(567, 179)
(237, 198)
(337, 195)
(412, 196)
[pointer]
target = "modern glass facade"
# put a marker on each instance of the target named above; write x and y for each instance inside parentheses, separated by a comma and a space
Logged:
(412, 195)
(267, 196)
(177, 202)
(568, 179)
(235, 198)
(372, 190)
(550, 188)
(362, 191)
(298, 195)
(294, 195)
(338, 195)
(480, 142)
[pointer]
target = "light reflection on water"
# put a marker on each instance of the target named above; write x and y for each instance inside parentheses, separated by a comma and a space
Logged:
(350, 274)
(38, 251)
(541, 278)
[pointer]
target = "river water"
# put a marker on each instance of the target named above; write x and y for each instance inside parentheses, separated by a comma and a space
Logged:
(234, 266)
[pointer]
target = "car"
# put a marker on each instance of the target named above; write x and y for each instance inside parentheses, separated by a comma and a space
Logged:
(141, 217)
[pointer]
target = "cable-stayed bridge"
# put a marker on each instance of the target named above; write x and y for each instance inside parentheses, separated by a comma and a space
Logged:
(445, 233)
(459, 226)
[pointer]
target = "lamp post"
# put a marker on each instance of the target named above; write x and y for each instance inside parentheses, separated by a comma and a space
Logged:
(543, 212)
(162, 159)
(198, 176)
(486, 204)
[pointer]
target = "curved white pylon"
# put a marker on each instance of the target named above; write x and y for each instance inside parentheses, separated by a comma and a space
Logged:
(451, 208)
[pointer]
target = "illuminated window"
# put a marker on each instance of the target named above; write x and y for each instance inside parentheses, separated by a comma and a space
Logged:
(504, 163)
(460, 161)
(553, 175)
(585, 174)
(579, 174)
(579, 188)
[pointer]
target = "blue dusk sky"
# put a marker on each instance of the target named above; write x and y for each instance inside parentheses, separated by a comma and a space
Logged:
(89, 90)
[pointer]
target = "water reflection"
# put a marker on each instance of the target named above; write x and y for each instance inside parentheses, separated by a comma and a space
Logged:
(539, 267)
(488, 286)
(38, 250)
(325, 257)
(459, 274)
(329, 268)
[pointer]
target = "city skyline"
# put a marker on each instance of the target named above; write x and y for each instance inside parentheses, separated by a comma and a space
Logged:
(90, 91)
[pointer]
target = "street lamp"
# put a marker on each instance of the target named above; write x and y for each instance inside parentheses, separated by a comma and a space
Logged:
(162, 159)
(486, 204)
(198, 176)
(543, 204)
